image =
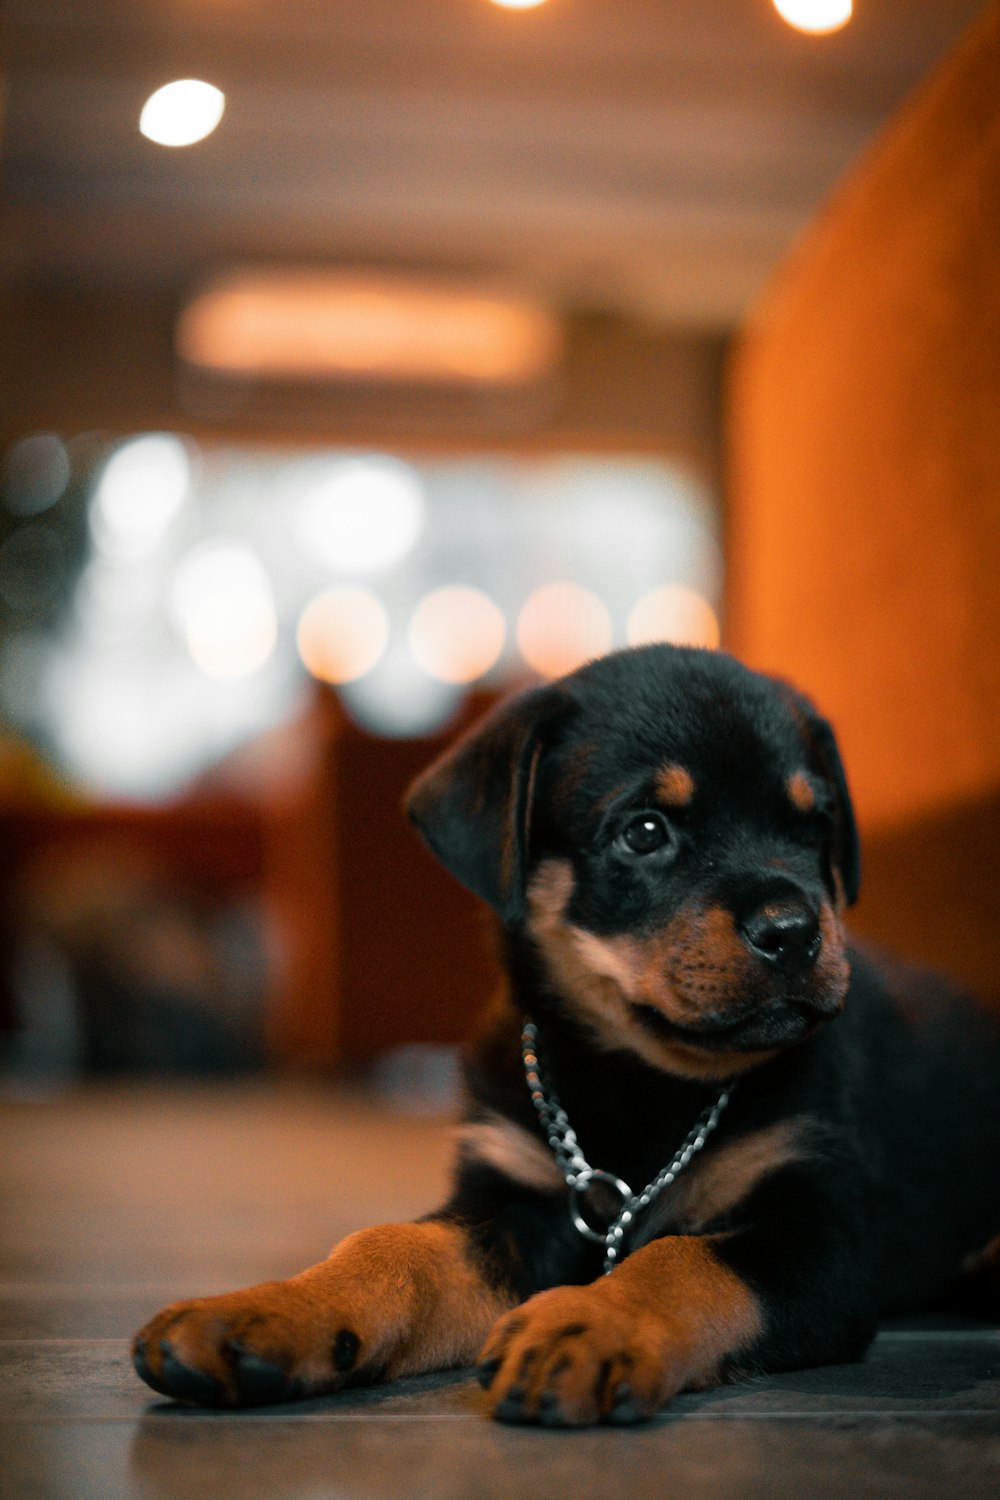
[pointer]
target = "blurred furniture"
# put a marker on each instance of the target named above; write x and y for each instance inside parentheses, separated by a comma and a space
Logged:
(865, 504)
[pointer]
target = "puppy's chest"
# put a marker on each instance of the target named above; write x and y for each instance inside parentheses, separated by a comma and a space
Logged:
(713, 1185)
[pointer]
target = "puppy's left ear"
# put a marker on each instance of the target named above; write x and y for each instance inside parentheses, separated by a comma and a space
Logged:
(473, 805)
(825, 756)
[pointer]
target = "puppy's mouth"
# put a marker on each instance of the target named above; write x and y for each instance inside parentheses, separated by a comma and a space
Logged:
(778, 1023)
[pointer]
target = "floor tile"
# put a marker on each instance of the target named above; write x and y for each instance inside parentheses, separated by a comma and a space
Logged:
(118, 1201)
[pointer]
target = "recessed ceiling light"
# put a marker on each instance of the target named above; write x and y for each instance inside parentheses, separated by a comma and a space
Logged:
(815, 16)
(181, 113)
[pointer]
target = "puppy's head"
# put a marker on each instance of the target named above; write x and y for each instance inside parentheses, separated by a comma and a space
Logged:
(673, 836)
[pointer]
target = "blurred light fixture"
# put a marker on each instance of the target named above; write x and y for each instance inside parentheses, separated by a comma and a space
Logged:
(561, 626)
(140, 490)
(818, 17)
(36, 472)
(457, 633)
(676, 614)
(115, 598)
(361, 514)
(397, 699)
(316, 325)
(221, 600)
(342, 633)
(518, 4)
(181, 113)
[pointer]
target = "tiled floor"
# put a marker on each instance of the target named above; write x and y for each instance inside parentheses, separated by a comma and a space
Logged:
(116, 1201)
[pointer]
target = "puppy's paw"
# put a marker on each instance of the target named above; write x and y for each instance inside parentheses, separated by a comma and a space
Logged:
(578, 1355)
(267, 1343)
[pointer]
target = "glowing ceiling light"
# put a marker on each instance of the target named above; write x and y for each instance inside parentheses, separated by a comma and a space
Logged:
(518, 4)
(323, 325)
(818, 17)
(361, 516)
(180, 113)
(141, 489)
(221, 600)
(342, 633)
(561, 626)
(676, 614)
(457, 634)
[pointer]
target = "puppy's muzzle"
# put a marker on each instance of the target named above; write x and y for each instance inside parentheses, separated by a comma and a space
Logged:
(785, 935)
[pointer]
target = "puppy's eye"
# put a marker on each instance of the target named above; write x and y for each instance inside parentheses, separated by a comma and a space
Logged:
(644, 834)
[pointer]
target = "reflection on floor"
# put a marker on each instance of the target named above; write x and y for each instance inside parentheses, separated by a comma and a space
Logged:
(115, 1201)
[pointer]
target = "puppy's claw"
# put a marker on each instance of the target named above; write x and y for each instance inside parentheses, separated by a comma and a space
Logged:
(184, 1383)
(258, 1381)
(143, 1368)
(511, 1408)
(624, 1408)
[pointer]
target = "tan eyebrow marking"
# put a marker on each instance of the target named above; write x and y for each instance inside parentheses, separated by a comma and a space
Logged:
(800, 791)
(675, 786)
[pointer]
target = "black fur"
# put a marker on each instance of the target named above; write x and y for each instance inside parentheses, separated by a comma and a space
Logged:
(894, 1089)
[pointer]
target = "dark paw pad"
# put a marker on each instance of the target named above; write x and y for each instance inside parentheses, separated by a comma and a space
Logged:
(345, 1350)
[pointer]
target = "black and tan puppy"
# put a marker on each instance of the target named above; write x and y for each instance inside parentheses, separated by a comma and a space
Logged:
(669, 843)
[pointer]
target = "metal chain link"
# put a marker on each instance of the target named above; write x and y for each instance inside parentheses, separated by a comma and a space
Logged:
(581, 1176)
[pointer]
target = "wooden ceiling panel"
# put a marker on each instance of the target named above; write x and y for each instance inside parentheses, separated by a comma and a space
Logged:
(649, 156)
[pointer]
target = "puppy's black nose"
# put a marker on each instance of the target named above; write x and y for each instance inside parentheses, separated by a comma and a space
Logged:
(785, 934)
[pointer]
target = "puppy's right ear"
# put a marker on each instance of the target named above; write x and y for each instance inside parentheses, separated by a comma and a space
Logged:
(473, 805)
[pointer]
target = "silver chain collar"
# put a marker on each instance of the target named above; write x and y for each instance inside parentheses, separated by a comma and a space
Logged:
(581, 1176)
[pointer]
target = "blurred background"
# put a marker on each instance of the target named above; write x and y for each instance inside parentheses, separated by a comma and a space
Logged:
(406, 353)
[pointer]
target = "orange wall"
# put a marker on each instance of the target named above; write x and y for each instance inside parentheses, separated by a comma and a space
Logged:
(865, 505)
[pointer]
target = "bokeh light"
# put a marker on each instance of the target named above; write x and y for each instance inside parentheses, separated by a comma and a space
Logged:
(673, 613)
(815, 16)
(36, 472)
(457, 633)
(141, 490)
(397, 699)
(342, 633)
(221, 600)
(518, 4)
(181, 113)
(561, 626)
(362, 515)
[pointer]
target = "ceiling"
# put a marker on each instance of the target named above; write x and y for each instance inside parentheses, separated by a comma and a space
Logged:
(653, 157)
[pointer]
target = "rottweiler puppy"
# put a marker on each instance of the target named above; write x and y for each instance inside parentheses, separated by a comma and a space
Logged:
(705, 1136)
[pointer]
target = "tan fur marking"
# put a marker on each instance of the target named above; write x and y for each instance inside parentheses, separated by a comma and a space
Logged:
(443, 1306)
(726, 1176)
(665, 1320)
(410, 1295)
(711, 1311)
(675, 786)
(800, 791)
(500, 1143)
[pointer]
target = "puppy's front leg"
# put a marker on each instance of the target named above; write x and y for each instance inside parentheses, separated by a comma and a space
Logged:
(388, 1301)
(790, 1288)
(616, 1350)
